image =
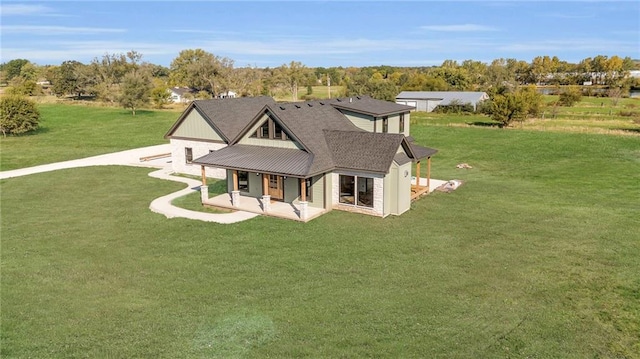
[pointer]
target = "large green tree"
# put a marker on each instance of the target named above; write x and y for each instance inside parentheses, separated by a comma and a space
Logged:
(515, 106)
(72, 78)
(292, 76)
(135, 91)
(18, 115)
(202, 71)
(13, 68)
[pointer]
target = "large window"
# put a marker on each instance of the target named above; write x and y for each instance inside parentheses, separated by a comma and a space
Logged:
(188, 154)
(402, 123)
(243, 181)
(365, 191)
(347, 189)
(363, 196)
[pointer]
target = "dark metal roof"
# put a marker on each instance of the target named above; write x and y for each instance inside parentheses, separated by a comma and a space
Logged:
(370, 106)
(361, 150)
(285, 161)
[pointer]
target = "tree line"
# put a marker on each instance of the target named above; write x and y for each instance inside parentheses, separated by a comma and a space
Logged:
(126, 80)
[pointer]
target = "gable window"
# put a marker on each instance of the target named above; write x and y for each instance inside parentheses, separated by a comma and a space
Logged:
(385, 124)
(263, 131)
(188, 154)
(402, 123)
(243, 181)
(277, 131)
(270, 129)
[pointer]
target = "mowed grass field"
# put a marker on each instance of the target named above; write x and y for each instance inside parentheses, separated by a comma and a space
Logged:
(590, 115)
(536, 255)
(75, 131)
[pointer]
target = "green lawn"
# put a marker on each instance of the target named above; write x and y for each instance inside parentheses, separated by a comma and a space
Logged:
(590, 115)
(72, 131)
(537, 255)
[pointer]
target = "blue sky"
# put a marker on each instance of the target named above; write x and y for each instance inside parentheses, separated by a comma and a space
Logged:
(328, 33)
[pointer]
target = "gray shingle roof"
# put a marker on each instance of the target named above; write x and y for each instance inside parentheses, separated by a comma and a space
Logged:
(369, 106)
(365, 151)
(401, 158)
(329, 139)
(229, 116)
(286, 161)
(307, 120)
(422, 152)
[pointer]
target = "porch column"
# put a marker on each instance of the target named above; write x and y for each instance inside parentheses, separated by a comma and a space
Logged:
(204, 193)
(303, 190)
(303, 199)
(235, 180)
(204, 189)
(266, 198)
(428, 173)
(418, 174)
(235, 194)
(204, 175)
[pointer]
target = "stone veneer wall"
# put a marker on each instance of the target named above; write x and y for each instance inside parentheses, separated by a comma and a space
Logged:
(378, 194)
(199, 149)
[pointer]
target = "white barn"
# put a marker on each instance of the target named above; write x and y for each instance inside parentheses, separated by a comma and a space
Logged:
(427, 101)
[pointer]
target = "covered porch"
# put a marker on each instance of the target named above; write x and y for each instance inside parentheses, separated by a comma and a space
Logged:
(424, 185)
(272, 202)
(265, 206)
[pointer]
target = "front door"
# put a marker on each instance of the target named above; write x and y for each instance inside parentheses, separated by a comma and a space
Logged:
(276, 187)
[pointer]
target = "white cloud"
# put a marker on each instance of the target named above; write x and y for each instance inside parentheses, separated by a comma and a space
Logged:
(458, 28)
(22, 9)
(44, 30)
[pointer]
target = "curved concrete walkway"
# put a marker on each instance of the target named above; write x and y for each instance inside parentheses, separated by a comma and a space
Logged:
(160, 205)
(163, 204)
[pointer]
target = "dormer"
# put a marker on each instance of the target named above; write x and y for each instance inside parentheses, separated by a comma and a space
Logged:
(269, 131)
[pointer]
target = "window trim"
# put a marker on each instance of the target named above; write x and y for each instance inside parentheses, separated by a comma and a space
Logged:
(401, 123)
(355, 193)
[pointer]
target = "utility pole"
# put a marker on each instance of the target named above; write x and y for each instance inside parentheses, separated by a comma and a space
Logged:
(329, 85)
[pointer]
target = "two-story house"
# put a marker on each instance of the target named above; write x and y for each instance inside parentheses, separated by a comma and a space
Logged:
(351, 154)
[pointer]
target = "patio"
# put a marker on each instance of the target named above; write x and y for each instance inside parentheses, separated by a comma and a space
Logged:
(255, 205)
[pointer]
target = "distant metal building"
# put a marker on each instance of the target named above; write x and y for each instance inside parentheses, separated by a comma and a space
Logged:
(427, 101)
